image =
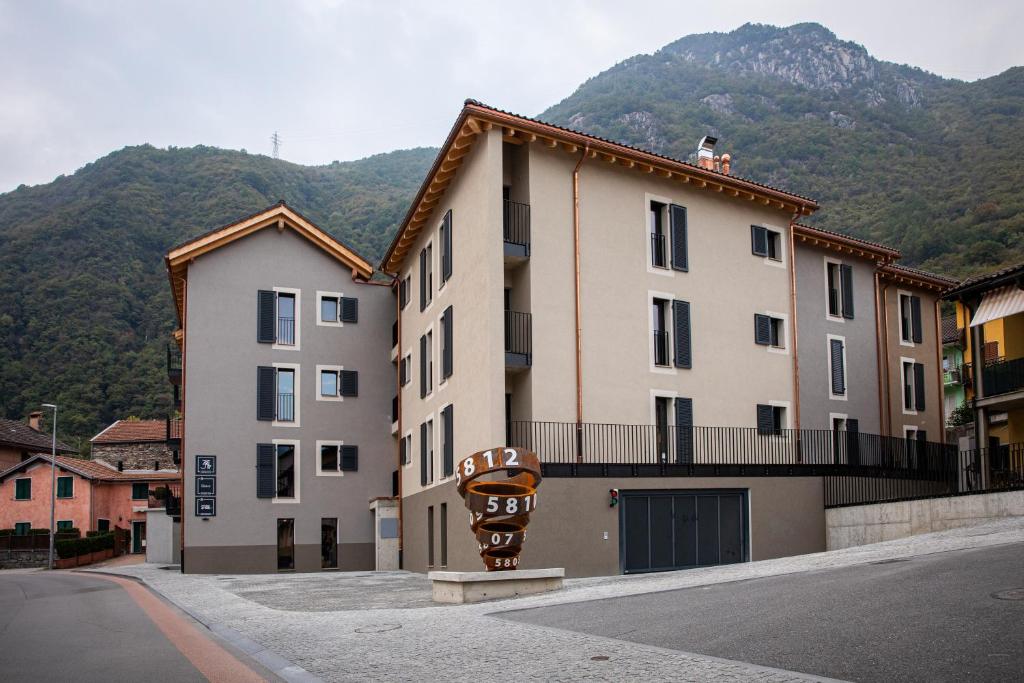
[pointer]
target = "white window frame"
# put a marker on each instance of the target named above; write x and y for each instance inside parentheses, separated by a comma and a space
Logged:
(329, 295)
(787, 415)
(768, 260)
(832, 417)
(910, 432)
(784, 349)
(439, 451)
(407, 353)
(328, 368)
(828, 316)
(662, 393)
(298, 393)
(846, 367)
(903, 383)
(298, 470)
(408, 448)
(432, 452)
(429, 334)
(429, 281)
(320, 472)
(297, 346)
(667, 271)
(900, 293)
(670, 369)
(442, 382)
(408, 290)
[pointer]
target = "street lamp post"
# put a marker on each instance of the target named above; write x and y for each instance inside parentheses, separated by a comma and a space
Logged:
(53, 479)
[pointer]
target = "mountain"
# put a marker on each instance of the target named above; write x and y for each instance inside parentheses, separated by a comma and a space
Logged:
(85, 308)
(930, 165)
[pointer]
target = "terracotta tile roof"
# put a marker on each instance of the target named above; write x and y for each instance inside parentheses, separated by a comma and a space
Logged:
(97, 469)
(950, 331)
(988, 278)
(19, 434)
(133, 431)
(867, 244)
(921, 277)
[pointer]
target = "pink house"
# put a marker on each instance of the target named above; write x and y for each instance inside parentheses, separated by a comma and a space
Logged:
(91, 496)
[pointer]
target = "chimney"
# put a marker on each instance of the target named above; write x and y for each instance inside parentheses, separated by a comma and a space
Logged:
(706, 152)
(120, 465)
(726, 161)
(34, 418)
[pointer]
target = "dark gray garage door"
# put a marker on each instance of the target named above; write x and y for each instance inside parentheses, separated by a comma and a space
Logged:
(661, 530)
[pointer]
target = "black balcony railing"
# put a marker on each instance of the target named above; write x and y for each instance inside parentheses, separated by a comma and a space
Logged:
(173, 364)
(1002, 377)
(286, 407)
(516, 226)
(658, 259)
(833, 302)
(660, 347)
(518, 338)
(285, 330)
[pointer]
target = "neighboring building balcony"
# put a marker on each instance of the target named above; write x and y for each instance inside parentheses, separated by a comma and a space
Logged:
(952, 376)
(175, 428)
(516, 231)
(617, 450)
(1002, 384)
(174, 365)
(518, 340)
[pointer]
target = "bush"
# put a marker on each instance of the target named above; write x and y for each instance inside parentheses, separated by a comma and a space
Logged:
(74, 547)
(6, 532)
(962, 415)
(38, 532)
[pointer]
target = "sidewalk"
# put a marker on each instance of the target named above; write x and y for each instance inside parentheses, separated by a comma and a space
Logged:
(321, 622)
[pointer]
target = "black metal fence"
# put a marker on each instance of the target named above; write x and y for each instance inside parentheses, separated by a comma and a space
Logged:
(518, 333)
(1002, 376)
(516, 223)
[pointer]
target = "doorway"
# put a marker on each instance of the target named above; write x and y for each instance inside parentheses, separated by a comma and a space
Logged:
(138, 537)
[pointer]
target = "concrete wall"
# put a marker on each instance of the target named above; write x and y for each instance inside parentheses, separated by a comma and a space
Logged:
(786, 518)
(861, 401)
(221, 357)
(863, 524)
(162, 537)
(927, 353)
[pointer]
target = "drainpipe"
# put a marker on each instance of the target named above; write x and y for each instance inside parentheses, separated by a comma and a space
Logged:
(793, 324)
(398, 384)
(182, 460)
(938, 364)
(579, 325)
(881, 350)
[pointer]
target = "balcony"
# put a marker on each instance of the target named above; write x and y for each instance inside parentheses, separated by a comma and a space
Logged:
(951, 376)
(1002, 377)
(286, 407)
(661, 356)
(166, 496)
(286, 330)
(174, 366)
(518, 340)
(516, 231)
(658, 258)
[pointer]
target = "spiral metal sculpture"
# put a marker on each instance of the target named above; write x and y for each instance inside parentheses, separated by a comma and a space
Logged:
(499, 509)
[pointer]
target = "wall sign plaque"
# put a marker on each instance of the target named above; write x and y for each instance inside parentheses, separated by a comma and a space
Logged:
(499, 506)
(206, 464)
(206, 507)
(206, 486)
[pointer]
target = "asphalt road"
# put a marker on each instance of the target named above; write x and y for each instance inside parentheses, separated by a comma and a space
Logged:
(929, 618)
(56, 626)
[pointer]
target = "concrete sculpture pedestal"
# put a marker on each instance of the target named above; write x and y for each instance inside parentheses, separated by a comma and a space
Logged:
(463, 587)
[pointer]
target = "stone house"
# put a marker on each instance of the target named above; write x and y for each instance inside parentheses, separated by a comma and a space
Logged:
(136, 444)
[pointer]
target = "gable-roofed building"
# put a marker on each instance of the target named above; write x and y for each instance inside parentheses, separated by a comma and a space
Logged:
(287, 385)
(21, 440)
(136, 444)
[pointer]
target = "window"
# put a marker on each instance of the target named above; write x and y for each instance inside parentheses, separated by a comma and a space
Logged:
(65, 525)
(446, 344)
(335, 458)
(286, 471)
(661, 340)
(22, 528)
(426, 364)
(769, 331)
(837, 366)
(426, 452)
(426, 276)
(329, 458)
(277, 317)
(839, 289)
(448, 440)
(405, 449)
(286, 319)
(329, 383)
(430, 535)
(446, 247)
(285, 544)
(328, 309)
(765, 242)
(140, 491)
(405, 370)
(403, 292)
(103, 525)
(329, 543)
(444, 534)
(285, 395)
(771, 420)
(658, 239)
(22, 489)
(910, 319)
(913, 385)
(65, 487)
(336, 383)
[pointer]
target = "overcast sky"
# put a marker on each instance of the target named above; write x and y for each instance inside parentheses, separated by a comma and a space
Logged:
(344, 79)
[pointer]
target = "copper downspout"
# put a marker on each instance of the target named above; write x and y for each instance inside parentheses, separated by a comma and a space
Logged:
(793, 321)
(881, 352)
(888, 378)
(938, 371)
(181, 446)
(401, 438)
(579, 324)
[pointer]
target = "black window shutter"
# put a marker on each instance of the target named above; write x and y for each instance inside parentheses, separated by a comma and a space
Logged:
(402, 372)
(266, 314)
(680, 249)
(403, 293)
(349, 458)
(403, 455)
(684, 430)
(846, 278)
(423, 454)
(681, 324)
(446, 357)
(918, 386)
(852, 441)
(915, 317)
(423, 366)
(765, 419)
(837, 370)
(423, 279)
(266, 393)
(348, 311)
(266, 480)
(446, 247)
(449, 442)
(758, 240)
(349, 380)
(762, 329)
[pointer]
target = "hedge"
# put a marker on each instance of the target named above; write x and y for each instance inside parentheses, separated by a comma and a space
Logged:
(81, 546)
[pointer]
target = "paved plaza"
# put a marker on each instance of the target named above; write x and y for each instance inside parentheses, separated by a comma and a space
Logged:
(362, 626)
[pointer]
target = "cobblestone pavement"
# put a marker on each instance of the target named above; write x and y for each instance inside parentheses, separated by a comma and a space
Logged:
(395, 639)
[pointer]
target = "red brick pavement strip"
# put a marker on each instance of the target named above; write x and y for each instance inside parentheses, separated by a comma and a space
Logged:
(213, 661)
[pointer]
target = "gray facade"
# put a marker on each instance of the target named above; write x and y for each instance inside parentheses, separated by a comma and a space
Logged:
(856, 331)
(220, 403)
